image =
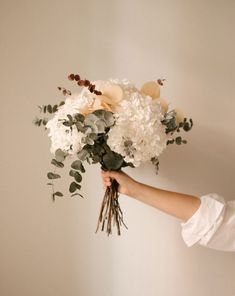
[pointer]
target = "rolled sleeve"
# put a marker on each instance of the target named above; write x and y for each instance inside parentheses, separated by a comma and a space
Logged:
(205, 221)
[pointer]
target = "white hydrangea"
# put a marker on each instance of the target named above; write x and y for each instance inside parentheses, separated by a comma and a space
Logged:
(138, 134)
(62, 137)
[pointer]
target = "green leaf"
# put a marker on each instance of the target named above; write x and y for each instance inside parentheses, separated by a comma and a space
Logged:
(77, 177)
(49, 184)
(58, 193)
(72, 173)
(88, 141)
(57, 163)
(60, 155)
(77, 165)
(49, 108)
(51, 175)
(70, 117)
(79, 126)
(55, 108)
(178, 140)
(45, 120)
(44, 109)
(74, 186)
(96, 158)
(67, 123)
(74, 194)
(113, 161)
(79, 117)
(83, 154)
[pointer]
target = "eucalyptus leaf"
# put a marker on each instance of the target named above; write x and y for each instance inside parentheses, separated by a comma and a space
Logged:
(45, 120)
(178, 140)
(70, 117)
(72, 173)
(78, 177)
(74, 186)
(83, 154)
(77, 165)
(58, 193)
(55, 108)
(57, 163)
(49, 108)
(79, 117)
(80, 126)
(88, 141)
(67, 123)
(112, 161)
(100, 125)
(75, 194)
(51, 175)
(60, 155)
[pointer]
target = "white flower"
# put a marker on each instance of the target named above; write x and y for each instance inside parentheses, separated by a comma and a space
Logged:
(138, 134)
(62, 137)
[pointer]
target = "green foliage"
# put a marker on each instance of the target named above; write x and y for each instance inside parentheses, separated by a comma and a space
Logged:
(112, 161)
(77, 165)
(57, 163)
(74, 186)
(60, 155)
(170, 121)
(75, 194)
(51, 176)
(40, 121)
(58, 193)
(50, 108)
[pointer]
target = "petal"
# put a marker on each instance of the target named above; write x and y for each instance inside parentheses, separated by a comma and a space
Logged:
(179, 115)
(114, 93)
(164, 104)
(152, 89)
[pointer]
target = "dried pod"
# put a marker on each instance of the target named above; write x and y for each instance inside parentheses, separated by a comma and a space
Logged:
(86, 83)
(71, 77)
(81, 82)
(77, 77)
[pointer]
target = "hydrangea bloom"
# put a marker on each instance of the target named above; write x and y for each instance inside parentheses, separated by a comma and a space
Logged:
(62, 137)
(138, 134)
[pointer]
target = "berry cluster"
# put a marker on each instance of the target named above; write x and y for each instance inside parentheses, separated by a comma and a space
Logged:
(84, 82)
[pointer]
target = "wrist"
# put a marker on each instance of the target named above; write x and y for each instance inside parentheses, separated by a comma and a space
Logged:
(135, 188)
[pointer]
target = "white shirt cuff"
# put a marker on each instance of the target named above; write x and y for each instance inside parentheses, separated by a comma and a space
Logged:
(205, 221)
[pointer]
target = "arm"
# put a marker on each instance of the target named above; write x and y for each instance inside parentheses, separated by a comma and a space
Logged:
(179, 205)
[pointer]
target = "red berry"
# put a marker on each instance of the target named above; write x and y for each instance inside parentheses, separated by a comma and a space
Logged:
(71, 77)
(86, 82)
(77, 77)
(81, 82)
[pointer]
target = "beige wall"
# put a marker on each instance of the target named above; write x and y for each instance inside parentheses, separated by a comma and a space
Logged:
(51, 249)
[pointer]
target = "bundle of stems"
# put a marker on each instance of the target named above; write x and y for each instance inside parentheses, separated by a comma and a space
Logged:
(110, 212)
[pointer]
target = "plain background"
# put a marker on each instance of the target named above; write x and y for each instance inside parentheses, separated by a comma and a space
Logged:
(51, 248)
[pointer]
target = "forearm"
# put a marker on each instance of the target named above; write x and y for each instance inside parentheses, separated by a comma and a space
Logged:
(179, 205)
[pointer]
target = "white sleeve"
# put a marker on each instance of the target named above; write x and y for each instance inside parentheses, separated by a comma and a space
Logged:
(212, 225)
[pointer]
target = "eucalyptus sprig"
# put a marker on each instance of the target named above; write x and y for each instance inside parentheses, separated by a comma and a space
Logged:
(172, 126)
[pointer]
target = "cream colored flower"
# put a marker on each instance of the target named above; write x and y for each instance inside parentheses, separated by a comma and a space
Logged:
(151, 88)
(179, 115)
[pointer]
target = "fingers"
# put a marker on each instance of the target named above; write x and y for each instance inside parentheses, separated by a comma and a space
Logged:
(106, 179)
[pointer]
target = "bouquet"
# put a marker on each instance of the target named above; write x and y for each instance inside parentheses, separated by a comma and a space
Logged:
(112, 123)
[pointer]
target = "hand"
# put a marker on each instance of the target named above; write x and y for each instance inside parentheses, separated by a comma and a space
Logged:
(126, 183)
